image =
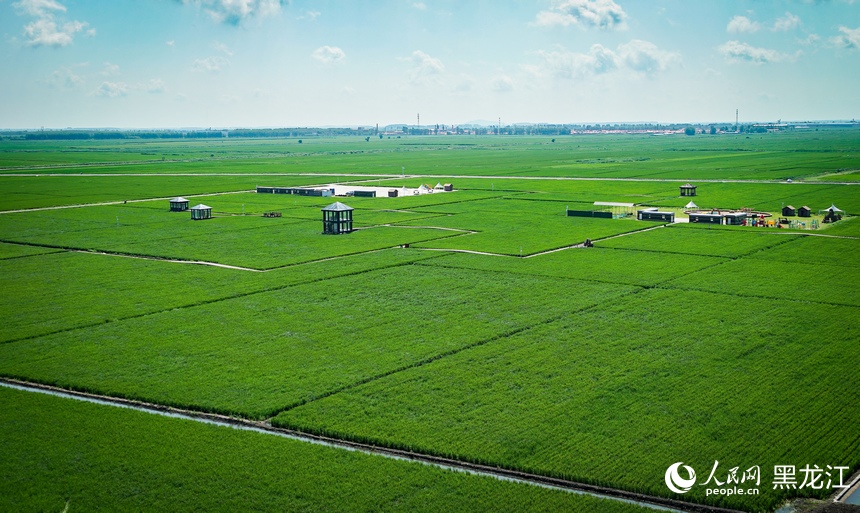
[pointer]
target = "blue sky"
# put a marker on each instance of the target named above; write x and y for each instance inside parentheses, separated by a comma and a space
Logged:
(231, 63)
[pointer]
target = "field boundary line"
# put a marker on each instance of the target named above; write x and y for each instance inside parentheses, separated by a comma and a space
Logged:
(172, 260)
(445, 354)
(650, 501)
(215, 300)
(663, 286)
(118, 202)
(383, 176)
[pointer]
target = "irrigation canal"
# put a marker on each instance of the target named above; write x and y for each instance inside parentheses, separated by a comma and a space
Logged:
(652, 502)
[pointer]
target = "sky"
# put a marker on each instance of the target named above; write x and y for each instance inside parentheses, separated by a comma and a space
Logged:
(276, 63)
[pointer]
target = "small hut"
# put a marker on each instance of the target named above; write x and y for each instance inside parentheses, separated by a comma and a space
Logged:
(201, 211)
(804, 211)
(179, 204)
(688, 190)
(392, 193)
(337, 218)
(734, 218)
(448, 187)
(706, 218)
(789, 211)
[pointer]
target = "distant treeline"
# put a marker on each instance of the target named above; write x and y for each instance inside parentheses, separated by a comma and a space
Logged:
(183, 134)
(398, 130)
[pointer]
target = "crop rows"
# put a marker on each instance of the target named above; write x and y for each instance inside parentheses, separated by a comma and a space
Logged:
(88, 457)
(256, 354)
(49, 289)
(616, 394)
(692, 240)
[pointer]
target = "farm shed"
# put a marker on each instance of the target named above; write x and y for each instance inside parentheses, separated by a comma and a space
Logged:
(300, 191)
(337, 218)
(448, 187)
(201, 211)
(688, 190)
(617, 209)
(179, 204)
(735, 218)
(652, 214)
(706, 218)
(804, 211)
(392, 193)
(789, 211)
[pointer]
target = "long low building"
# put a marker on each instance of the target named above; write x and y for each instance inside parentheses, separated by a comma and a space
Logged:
(652, 214)
(301, 191)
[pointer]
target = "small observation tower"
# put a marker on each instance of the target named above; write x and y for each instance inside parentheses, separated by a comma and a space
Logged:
(337, 218)
(201, 211)
(179, 204)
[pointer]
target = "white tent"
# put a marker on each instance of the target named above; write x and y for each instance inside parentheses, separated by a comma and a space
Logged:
(691, 205)
(833, 208)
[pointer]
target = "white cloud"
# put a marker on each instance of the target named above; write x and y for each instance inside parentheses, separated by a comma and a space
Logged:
(235, 12)
(424, 67)
(221, 47)
(64, 79)
(637, 56)
(310, 15)
(742, 25)
(170, 43)
(502, 84)
(737, 51)
(810, 40)
(421, 6)
(565, 64)
(110, 69)
(39, 8)
(645, 57)
(209, 64)
(786, 23)
(328, 54)
(604, 14)
(112, 89)
(155, 86)
(850, 38)
(46, 30)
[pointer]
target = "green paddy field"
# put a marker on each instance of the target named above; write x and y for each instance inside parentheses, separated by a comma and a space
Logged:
(470, 325)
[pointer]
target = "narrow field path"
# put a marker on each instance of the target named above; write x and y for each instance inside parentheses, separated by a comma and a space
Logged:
(452, 177)
(120, 202)
(653, 502)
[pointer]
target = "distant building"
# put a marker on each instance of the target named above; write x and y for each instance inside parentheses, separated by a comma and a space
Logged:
(337, 218)
(652, 214)
(789, 211)
(715, 218)
(179, 204)
(201, 211)
(804, 211)
(688, 190)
